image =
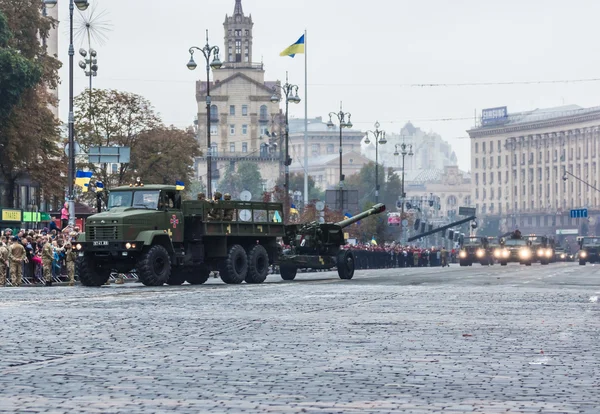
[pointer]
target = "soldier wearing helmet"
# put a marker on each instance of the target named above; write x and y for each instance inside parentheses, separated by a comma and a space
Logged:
(228, 213)
(215, 213)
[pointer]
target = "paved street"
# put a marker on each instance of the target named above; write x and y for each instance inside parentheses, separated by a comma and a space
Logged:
(477, 339)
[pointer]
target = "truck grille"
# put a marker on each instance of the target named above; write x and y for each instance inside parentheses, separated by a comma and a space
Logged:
(102, 233)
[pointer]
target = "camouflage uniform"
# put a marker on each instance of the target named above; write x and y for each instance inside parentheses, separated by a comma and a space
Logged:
(47, 258)
(70, 257)
(215, 214)
(3, 264)
(17, 256)
(201, 197)
(228, 213)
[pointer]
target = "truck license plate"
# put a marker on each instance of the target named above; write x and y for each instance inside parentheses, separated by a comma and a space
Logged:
(100, 243)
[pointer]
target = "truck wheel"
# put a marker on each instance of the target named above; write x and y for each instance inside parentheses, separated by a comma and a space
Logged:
(178, 276)
(582, 263)
(463, 263)
(528, 264)
(234, 269)
(154, 268)
(503, 263)
(345, 264)
(288, 272)
(258, 265)
(197, 275)
(89, 273)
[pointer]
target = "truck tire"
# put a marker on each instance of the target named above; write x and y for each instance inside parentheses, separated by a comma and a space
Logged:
(503, 264)
(234, 269)
(178, 276)
(258, 265)
(89, 273)
(198, 275)
(154, 268)
(345, 264)
(582, 263)
(288, 272)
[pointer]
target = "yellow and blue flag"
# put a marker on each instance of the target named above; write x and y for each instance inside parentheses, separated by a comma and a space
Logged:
(82, 178)
(294, 49)
(99, 186)
(179, 185)
(373, 241)
(293, 209)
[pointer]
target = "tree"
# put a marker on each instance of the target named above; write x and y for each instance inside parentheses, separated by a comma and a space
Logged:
(115, 118)
(297, 184)
(243, 176)
(29, 134)
(165, 155)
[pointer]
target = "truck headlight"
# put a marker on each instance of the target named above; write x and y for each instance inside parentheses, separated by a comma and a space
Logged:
(583, 254)
(497, 253)
(525, 253)
(128, 246)
(563, 256)
(549, 253)
(480, 253)
(462, 254)
(78, 246)
(506, 253)
(540, 252)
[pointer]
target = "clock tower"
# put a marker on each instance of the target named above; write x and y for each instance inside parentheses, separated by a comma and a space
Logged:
(238, 36)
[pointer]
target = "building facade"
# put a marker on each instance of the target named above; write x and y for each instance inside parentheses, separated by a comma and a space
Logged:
(324, 151)
(518, 164)
(241, 112)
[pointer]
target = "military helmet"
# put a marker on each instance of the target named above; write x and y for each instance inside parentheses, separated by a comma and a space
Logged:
(201, 196)
(227, 196)
(217, 195)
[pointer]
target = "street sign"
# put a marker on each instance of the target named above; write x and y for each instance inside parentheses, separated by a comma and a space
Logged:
(494, 115)
(467, 211)
(109, 155)
(579, 213)
(567, 232)
(320, 206)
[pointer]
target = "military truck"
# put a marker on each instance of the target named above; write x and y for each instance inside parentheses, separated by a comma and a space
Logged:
(475, 249)
(589, 250)
(150, 228)
(514, 249)
(542, 247)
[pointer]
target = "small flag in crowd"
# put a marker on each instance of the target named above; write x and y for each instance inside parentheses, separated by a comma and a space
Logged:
(277, 217)
(373, 241)
(83, 178)
(85, 188)
(294, 49)
(99, 187)
(179, 185)
(293, 209)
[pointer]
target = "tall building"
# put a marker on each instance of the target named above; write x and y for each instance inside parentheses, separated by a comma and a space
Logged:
(518, 164)
(241, 111)
(431, 151)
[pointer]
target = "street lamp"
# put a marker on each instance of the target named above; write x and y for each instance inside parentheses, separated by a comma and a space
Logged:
(379, 139)
(290, 92)
(208, 52)
(341, 116)
(81, 5)
(89, 66)
(404, 151)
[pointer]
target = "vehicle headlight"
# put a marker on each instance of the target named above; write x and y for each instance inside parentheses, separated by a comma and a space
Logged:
(549, 253)
(480, 253)
(78, 246)
(562, 256)
(506, 253)
(583, 254)
(525, 253)
(540, 252)
(462, 254)
(497, 253)
(128, 246)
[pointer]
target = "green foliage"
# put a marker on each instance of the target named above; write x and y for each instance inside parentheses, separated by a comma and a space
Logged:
(242, 176)
(297, 184)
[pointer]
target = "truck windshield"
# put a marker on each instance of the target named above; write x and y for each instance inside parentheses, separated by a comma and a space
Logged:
(472, 242)
(515, 242)
(594, 241)
(145, 199)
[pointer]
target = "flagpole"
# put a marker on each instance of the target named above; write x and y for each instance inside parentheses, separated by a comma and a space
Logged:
(306, 200)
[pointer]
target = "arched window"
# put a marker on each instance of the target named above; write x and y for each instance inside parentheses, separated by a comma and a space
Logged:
(451, 201)
(214, 113)
(264, 113)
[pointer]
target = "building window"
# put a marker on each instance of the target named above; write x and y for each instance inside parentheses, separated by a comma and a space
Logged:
(491, 162)
(476, 178)
(232, 147)
(246, 32)
(483, 159)
(476, 162)
(264, 113)
(263, 130)
(499, 161)
(244, 110)
(483, 147)
(330, 148)
(499, 193)
(484, 179)
(499, 177)
(477, 193)
(244, 129)
(491, 147)
(231, 129)
(244, 147)
(491, 178)
(315, 149)
(214, 129)
(476, 148)
(231, 109)
(238, 32)
(214, 149)
(499, 146)
(214, 113)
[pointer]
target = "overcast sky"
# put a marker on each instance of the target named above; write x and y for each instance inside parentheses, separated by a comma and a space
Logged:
(364, 53)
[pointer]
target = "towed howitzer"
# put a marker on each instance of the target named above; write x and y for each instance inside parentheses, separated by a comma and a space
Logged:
(318, 246)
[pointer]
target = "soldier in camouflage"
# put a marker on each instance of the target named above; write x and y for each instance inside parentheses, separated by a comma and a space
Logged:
(70, 257)
(228, 213)
(215, 213)
(3, 261)
(17, 256)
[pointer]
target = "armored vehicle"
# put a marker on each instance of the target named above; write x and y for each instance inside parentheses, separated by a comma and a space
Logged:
(514, 249)
(475, 250)
(542, 248)
(589, 250)
(318, 246)
(167, 240)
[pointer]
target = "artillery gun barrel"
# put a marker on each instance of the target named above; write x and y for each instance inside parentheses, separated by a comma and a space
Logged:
(376, 209)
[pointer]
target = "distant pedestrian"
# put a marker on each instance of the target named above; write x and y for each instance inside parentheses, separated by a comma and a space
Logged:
(70, 257)
(64, 216)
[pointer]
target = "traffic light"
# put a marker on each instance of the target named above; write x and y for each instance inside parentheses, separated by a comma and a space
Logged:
(417, 224)
(423, 227)
(451, 234)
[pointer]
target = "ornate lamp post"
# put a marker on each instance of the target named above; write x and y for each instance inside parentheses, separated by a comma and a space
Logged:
(208, 52)
(89, 66)
(379, 139)
(341, 116)
(404, 151)
(81, 5)
(290, 92)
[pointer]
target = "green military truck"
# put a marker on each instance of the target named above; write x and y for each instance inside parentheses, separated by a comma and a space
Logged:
(589, 250)
(169, 240)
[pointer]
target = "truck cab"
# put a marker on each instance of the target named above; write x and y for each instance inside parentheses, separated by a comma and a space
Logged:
(589, 250)
(474, 249)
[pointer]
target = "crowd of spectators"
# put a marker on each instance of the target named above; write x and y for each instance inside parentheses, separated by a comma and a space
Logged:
(391, 255)
(40, 264)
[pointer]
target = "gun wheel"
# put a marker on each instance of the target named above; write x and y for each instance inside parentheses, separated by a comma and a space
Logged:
(345, 264)
(288, 272)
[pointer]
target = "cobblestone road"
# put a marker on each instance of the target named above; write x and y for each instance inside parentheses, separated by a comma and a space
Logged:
(488, 340)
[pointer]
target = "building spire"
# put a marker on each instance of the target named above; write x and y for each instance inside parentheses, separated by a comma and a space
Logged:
(238, 8)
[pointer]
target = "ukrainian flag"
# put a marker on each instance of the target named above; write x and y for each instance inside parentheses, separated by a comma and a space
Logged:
(293, 209)
(373, 241)
(82, 178)
(294, 49)
(179, 185)
(99, 187)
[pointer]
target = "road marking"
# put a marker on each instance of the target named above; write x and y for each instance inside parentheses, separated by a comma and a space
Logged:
(594, 299)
